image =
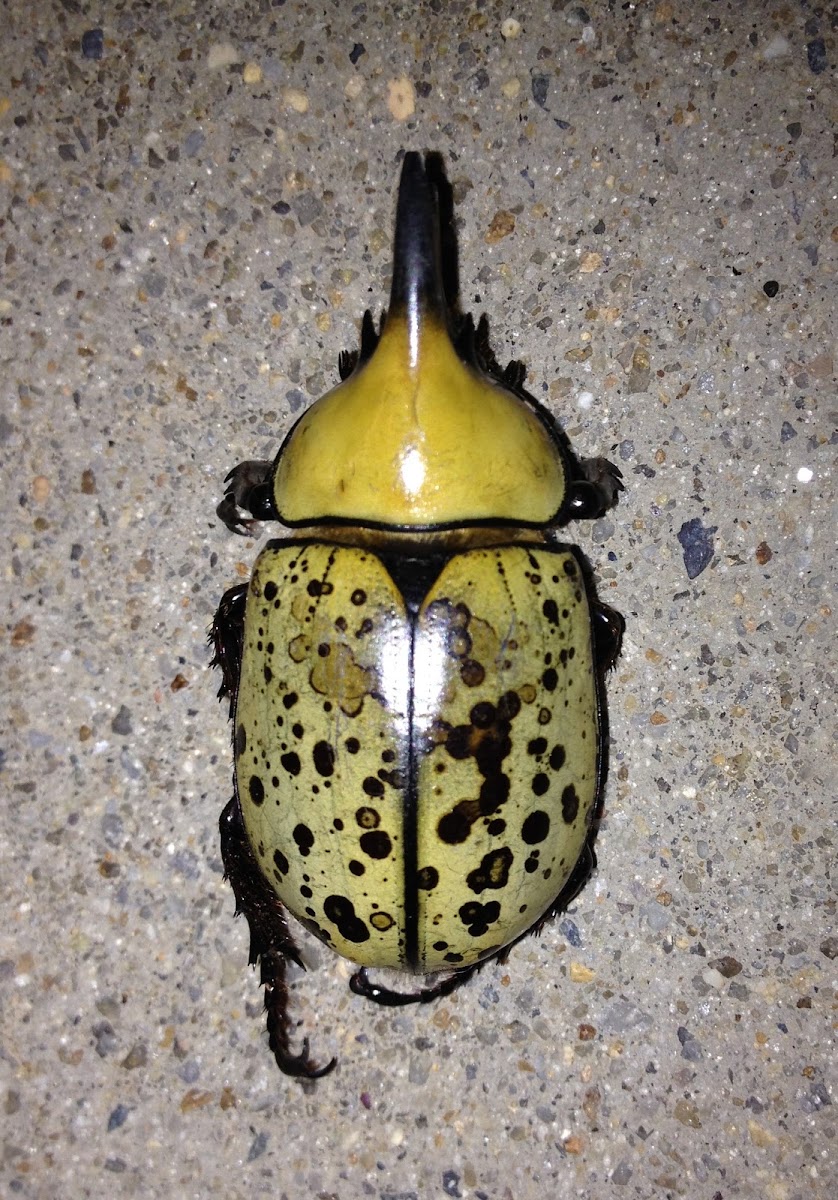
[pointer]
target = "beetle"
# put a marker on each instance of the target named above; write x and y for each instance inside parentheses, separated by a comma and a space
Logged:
(415, 668)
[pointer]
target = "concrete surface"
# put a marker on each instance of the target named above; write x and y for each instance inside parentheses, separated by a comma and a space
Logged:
(197, 208)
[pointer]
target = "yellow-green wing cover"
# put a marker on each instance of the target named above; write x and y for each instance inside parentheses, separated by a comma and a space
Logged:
(506, 726)
(321, 737)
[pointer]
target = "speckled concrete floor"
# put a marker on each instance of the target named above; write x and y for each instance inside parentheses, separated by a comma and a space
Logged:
(197, 208)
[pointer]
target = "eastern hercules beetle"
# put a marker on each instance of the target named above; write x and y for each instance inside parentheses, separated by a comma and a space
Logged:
(415, 669)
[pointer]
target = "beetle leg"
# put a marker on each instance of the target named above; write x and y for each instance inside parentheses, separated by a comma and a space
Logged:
(362, 985)
(609, 626)
(271, 943)
(597, 489)
(248, 491)
(226, 637)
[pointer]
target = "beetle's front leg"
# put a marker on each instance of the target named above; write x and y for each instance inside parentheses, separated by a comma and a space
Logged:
(271, 943)
(248, 491)
(597, 489)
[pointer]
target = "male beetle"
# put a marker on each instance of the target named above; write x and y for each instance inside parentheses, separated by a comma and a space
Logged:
(415, 669)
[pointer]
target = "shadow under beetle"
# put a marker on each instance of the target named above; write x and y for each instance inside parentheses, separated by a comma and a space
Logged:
(415, 669)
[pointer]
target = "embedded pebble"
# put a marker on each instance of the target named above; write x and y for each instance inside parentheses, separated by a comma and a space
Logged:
(221, 55)
(401, 98)
(294, 99)
(698, 546)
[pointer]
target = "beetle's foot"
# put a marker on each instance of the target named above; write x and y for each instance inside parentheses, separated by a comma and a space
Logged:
(300, 1066)
(247, 496)
(350, 360)
(347, 360)
(361, 984)
(271, 943)
(514, 375)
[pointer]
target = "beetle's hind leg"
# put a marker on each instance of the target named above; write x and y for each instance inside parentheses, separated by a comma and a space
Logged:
(362, 985)
(247, 494)
(271, 943)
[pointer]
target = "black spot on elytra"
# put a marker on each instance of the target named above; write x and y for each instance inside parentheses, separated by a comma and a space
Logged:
(291, 762)
(478, 917)
(355, 867)
(535, 827)
(280, 862)
(557, 757)
(551, 611)
(537, 746)
(372, 786)
(368, 818)
(494, 791)
(454, 827)
(493, 871)
(256, 790)
(323, 755)
(472, 673)
(487, 740)
(319, 587)
(394, 778)
(341, 912)
(270, 590)
(290, 700)
(268, 673)
(304, 838)
(241, 740)
(358, 597)
(570, 804)
(540, 783)
(482, 715)
(352, 745)
(550, 679)
(427, 878)
(376, 844)
(382, 921)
